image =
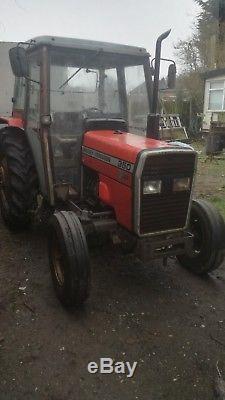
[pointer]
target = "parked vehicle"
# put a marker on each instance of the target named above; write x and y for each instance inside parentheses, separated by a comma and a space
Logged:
(69, 149)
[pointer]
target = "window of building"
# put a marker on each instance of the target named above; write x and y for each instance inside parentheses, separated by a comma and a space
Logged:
(216, 96)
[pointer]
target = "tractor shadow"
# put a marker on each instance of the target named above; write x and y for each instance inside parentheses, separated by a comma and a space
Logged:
(127, 281)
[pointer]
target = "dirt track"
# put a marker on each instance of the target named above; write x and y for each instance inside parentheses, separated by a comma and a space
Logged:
(171, 322)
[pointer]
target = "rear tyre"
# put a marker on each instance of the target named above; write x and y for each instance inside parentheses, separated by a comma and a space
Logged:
(69, 259)
(208, 229)
(19, 181)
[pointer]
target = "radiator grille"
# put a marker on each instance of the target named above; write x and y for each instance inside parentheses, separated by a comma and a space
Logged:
(167, 210)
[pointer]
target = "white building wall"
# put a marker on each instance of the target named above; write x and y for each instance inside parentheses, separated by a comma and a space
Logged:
(207, 114)
(6, 79)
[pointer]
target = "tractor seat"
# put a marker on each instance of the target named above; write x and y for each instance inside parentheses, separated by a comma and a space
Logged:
(67, 145)
(66, 141)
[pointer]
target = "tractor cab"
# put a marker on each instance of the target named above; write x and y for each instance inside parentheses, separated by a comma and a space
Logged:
(83, 148)
(76, 85)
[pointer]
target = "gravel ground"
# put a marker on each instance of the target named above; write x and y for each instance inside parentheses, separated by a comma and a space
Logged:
(168, 320)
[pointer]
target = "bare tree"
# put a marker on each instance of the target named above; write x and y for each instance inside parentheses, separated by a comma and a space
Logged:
(187, 51)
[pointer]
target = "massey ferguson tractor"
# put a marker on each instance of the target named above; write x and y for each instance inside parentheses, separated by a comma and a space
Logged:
(70, 151)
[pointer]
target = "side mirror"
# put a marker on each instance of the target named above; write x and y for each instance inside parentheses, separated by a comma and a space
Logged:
(171, 79)
(46, 120)
(18, 61)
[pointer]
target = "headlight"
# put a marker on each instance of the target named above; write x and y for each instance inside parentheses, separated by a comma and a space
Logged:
(152, 187)
(181, 184)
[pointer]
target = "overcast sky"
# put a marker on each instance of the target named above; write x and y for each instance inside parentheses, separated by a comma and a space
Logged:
(134, 22)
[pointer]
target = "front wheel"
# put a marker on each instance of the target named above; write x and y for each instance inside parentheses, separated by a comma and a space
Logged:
(69, 259)
(208, 230)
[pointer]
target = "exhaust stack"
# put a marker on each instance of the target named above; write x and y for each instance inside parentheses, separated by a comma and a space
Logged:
(153, 118)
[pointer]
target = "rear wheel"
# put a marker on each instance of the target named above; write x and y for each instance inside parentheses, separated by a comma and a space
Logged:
(19, 181)
(208, 229)
(69, 259)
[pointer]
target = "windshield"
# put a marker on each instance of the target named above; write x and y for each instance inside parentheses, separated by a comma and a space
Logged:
(81, 90)
(91, 85)
(96, 85)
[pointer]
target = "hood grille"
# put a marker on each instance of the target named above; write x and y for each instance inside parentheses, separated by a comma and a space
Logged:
(168, 210)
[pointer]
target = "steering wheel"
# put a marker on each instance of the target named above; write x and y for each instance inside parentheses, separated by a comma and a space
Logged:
(93, 110)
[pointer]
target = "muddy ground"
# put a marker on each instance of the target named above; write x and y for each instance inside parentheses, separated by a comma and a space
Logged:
(168, 320)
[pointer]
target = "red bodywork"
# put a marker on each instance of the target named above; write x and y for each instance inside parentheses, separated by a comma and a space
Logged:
(15, 121)
(115, 183)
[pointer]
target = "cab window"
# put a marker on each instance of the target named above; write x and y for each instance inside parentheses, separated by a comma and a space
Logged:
(19, 94)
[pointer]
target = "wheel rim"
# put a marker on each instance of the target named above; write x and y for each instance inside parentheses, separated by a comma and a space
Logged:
(57, 259)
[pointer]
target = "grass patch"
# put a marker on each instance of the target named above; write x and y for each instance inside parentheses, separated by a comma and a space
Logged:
(218, 203)
(217, 163)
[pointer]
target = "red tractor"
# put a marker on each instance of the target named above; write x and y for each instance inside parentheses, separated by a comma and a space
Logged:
(70, 150)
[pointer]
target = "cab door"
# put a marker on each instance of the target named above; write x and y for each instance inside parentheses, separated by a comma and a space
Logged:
(19, 98)
(32, 122)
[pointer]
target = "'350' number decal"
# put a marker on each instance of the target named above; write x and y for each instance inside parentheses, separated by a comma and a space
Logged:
(124, 165)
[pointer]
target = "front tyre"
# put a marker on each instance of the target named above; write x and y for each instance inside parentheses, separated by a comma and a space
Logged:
(208, 229)
(69, 259)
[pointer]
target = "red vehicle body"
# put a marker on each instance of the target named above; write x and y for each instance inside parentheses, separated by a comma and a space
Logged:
(102, 149)
(15, 122)
(73, 150)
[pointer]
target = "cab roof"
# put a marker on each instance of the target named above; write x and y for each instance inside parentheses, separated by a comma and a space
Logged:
(84, 44)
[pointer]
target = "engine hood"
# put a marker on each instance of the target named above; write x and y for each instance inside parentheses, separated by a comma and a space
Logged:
(123, 145)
